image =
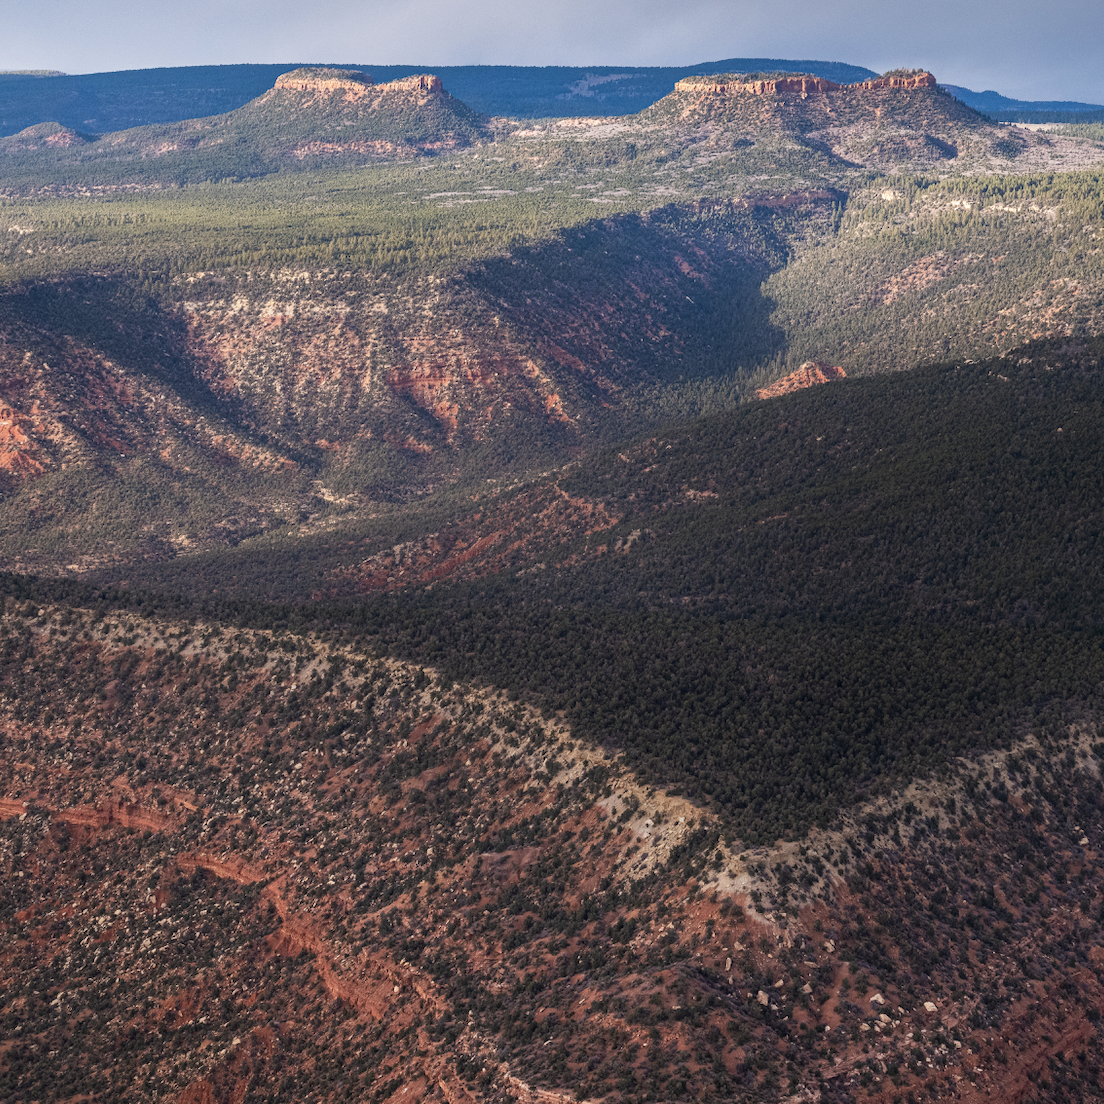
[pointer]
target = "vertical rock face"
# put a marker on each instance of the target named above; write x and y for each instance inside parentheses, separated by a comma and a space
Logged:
(810, 374)
(920, 79)
(802, 104)
(324, 80)
(424, 82)
(352, 83)
(800, 83)
(766, 87)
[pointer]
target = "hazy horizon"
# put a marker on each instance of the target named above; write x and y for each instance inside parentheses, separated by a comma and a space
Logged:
(1006, 48)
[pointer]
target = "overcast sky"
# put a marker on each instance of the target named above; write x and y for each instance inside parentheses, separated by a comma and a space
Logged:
(1028, 50)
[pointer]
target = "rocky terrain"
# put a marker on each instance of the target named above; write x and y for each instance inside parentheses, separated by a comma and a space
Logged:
(810, 374)
(262, 863)
(263, 398)
(375, 386)
(597, 752)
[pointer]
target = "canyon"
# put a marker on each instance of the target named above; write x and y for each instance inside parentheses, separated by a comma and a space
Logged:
(542, 609)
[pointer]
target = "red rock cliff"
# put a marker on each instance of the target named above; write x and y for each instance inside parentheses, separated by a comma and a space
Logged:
(809, 374)
(324, 80)
(757, 87)
(906, 80)
(804, 85)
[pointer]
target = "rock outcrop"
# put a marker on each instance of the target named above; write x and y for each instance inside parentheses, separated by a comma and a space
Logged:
(810, 374)
(424, 82)
(42, 136)
(20, 450)
(918, 79)
(766, 87)
(353, 84)
(801, 83)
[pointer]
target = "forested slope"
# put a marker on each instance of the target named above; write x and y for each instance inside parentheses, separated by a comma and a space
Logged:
(824, 591)
(332, 354)
(780, 609)
(383, 344)
(270, 864)
(401, 688)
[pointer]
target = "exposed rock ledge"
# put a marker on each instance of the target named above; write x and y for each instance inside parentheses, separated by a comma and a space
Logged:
(803, 85)
(424, 82)
(921, 79)
(351, 80)
(324, 80)
(809, 374)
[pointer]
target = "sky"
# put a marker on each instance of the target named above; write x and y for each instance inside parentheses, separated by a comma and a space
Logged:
(1033, 51)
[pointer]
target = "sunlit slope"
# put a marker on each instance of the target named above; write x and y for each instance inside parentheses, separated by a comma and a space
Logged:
(357, 387)
(424, 323)
(319, 873)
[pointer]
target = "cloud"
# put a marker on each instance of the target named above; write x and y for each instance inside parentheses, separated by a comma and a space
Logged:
(1017, 48)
